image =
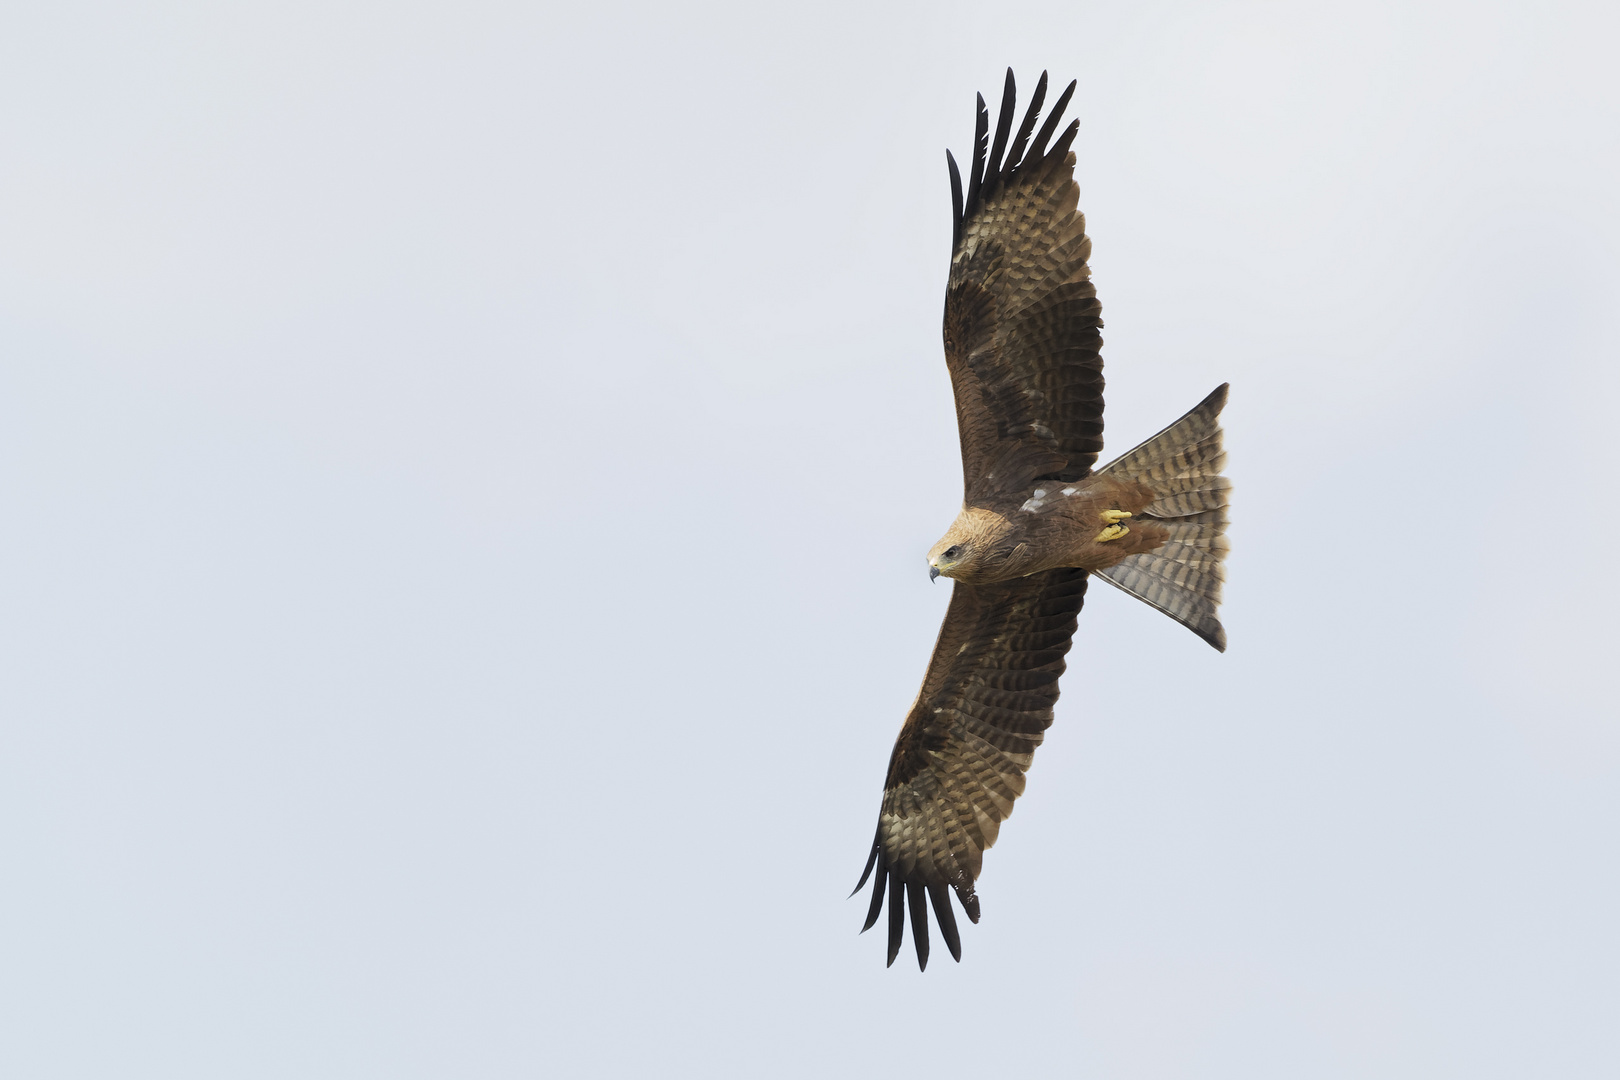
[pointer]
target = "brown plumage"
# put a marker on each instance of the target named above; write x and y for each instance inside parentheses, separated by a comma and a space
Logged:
(1022, 340)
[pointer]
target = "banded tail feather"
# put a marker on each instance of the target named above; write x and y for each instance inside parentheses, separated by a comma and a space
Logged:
(1182, 465)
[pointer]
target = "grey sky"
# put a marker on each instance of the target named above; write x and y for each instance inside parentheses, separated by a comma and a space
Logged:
(466, 472)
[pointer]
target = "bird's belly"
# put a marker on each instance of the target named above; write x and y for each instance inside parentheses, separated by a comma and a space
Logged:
(1090, 524)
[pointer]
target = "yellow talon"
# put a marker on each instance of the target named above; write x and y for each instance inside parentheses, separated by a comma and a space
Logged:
(1114, 517)
(1113, 532)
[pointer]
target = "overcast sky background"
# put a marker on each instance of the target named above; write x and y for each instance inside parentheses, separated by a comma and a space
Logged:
(465, 475)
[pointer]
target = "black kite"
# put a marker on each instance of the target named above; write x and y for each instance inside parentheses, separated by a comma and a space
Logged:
(1022, 337)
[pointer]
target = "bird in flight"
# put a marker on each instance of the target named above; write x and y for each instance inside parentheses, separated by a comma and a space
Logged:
(1038, 521)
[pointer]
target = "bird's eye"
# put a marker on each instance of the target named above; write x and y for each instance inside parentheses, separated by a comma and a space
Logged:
(952, 552)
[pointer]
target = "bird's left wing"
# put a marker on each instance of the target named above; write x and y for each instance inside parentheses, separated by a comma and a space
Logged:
(1022, 323)
(959, 762)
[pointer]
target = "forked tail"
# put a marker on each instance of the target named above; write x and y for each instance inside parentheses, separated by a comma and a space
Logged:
(1182, 465)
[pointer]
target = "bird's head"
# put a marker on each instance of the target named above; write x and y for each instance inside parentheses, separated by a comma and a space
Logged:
(946, 557)
(974, 548)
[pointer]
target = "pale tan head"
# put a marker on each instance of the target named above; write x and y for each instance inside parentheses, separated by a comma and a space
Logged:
(977, 547)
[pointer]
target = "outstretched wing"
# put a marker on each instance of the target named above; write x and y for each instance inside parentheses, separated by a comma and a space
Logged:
(960, 760)
(1022, 320)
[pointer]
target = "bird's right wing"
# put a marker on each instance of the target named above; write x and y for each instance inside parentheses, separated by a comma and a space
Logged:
(959, 762)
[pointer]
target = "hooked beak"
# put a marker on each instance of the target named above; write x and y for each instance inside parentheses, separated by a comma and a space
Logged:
(933, 572)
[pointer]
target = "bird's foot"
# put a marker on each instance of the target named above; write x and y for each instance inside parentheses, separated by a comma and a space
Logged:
(1114, 517)
(1113, 532)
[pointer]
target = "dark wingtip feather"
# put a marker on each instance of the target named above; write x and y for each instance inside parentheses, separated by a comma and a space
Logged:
(939, 897)
(956, 201)
(876, 907)
(1061, 147)
(919, 923)
(897, 915)
(1009, 95)
(981, 127)
(969, 901)
(871, 861)
(1015, 156)
(1038, 150)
